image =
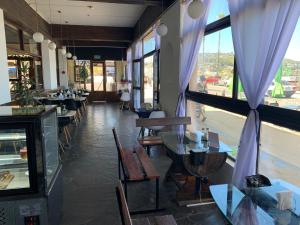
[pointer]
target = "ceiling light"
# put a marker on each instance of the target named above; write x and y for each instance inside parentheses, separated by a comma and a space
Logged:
(74, 57)
(69, 55)
(162, 29)
(38, 37)
(90, 7)
(52, 45)
(196, 9)
(63, 50)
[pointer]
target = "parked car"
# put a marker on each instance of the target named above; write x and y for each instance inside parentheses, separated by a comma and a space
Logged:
(288, 89)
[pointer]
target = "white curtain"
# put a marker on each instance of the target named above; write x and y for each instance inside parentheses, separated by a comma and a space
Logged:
(261, 31)
(156, 36)
(138, 53)
(129, 67)
(192, 31)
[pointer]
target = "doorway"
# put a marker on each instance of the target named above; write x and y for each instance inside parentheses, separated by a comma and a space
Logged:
(103, 74)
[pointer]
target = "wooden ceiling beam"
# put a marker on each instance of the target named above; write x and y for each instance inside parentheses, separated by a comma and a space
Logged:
(136, 2)
(97, 44)
(92, 33)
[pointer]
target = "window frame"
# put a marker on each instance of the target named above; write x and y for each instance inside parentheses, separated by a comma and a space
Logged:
(282, 117)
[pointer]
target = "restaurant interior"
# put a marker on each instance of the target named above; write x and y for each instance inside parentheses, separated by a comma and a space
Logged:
(149, 112)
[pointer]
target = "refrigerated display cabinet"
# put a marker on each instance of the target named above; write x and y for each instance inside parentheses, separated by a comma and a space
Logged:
(30, 168)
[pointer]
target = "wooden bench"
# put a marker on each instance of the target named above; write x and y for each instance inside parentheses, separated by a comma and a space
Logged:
(149, 141)
(125, 214)
(136, 166)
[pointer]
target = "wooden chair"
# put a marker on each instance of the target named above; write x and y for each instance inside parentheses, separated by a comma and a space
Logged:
(125, 214)
(136, 166)
(149, 141)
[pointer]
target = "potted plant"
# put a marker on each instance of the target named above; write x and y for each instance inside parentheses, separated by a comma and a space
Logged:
(84, 73)
(24, 91)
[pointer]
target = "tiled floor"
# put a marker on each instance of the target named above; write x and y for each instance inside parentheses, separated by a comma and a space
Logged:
(90, 174)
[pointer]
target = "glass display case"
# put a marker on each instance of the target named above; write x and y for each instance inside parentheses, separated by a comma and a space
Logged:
(29, 157)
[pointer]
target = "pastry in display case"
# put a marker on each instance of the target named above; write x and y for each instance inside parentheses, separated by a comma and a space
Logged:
(13, 159)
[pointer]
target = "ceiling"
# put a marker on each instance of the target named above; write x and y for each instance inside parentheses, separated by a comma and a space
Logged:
(80, 12)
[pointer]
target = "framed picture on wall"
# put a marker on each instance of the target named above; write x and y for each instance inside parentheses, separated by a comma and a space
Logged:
(13, 69)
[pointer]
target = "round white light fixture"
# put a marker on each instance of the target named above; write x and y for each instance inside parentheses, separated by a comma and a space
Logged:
(74, 57)
(63, 50)
(52, 45)
(196, 9)
(69, 55)
(162, 29)
(38, 37)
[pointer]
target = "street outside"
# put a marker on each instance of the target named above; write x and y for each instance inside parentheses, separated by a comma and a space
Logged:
(280, 147)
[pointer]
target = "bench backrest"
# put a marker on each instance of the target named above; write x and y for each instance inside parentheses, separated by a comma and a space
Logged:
(118, 143)
(167, 121)
(123, 207)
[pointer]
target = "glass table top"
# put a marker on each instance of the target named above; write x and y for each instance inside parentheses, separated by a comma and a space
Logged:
(172, 141)
(256, 206)
(237, 208)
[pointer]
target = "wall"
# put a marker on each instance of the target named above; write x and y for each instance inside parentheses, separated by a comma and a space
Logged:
(169, 60)
(49, 66)
(63, 70)
(70, 71)
(4, 81)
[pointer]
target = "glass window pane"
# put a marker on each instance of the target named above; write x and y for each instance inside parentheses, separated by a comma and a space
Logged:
(284, 91)
(98, 74)
(228, 125)
(87, 83)
(148, 80)
(279, 153)
(30, 45)
(149, 43)
(110, 69)
(14, 173)
(12, 37)
(136, 74)
(218, 10)
(215, 67)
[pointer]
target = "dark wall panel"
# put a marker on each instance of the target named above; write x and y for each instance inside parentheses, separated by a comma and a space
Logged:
(105, 53)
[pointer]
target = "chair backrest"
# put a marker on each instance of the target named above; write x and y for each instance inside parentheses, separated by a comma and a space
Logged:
(212, 163)
(70, 104)
(157, 114)
(167, 121)
(125, 97)
(123, 207)
(118, 144)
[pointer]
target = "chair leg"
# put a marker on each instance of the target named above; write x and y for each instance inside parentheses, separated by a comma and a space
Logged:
(68, 133)
(157, 193)
(148, 150)
(66, 136)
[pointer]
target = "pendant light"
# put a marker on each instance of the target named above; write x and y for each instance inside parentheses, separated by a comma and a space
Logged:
(63, 49)
(69, 54)
(74, 56)
(37, 36)
(162, 28)
(51, 44)
(196, 9)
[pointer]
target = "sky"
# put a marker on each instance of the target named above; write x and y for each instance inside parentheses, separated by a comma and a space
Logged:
(211, 41)
(226, 46)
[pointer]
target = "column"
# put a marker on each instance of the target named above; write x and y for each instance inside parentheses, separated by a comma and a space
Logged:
(49, 66)
(4, 78)
(62, 67)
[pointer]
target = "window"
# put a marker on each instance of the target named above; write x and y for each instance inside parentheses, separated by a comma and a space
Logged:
(148, 43)
(30, 45)
(279, 153)
(228, 125)
(137, 84)
(218, 10)
(148, 80)
(215, 68)
(79, 66)
(12, 37)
